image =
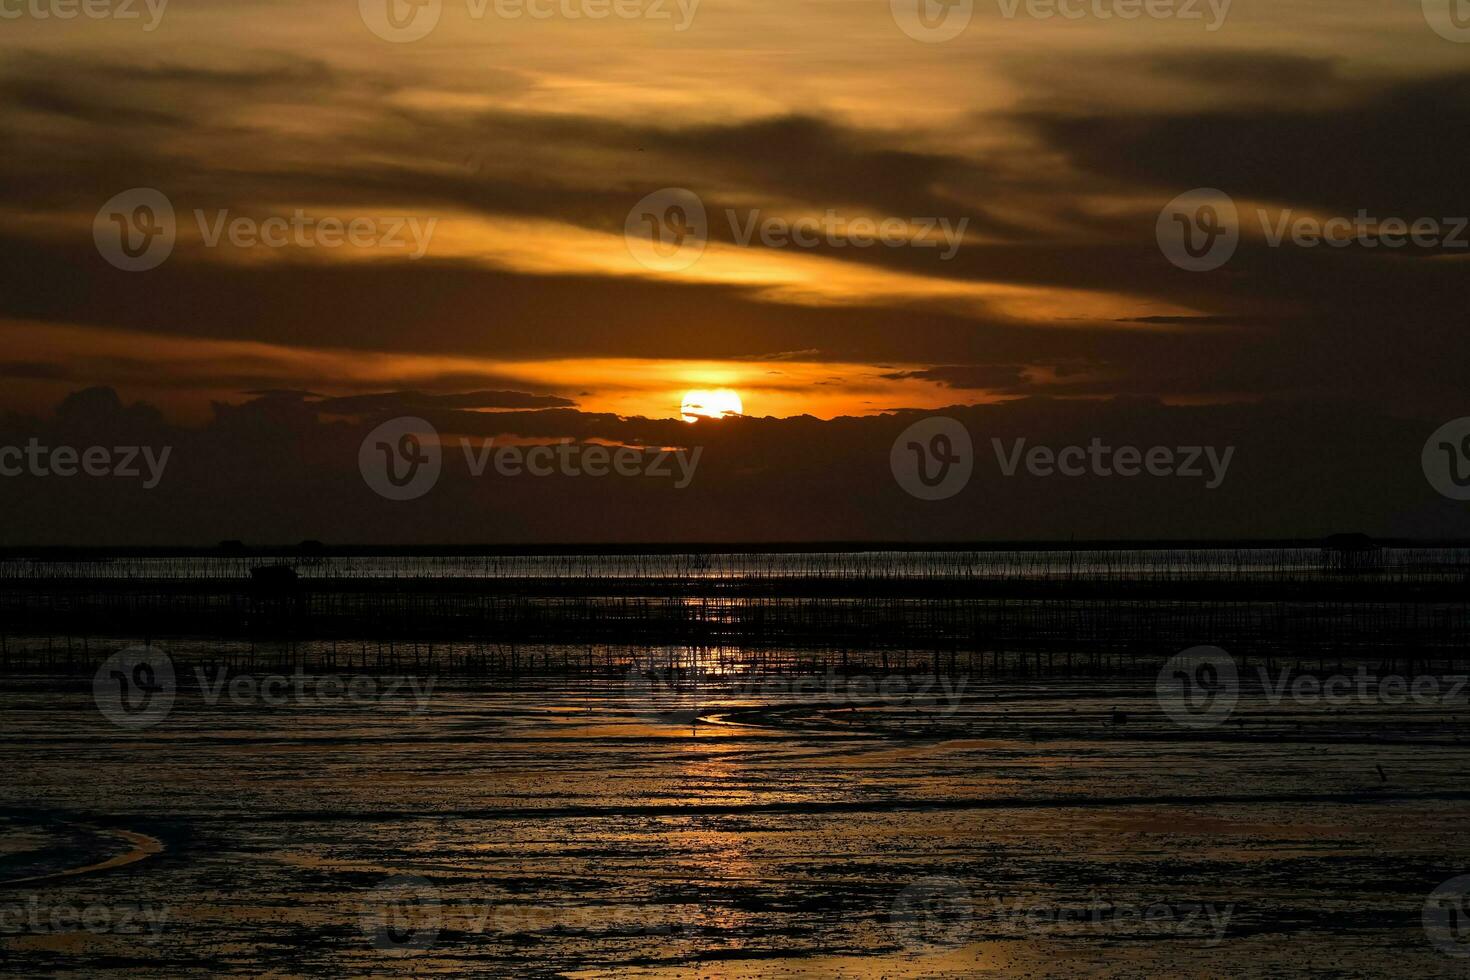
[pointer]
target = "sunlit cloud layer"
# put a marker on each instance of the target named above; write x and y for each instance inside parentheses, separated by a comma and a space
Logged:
(517, 147)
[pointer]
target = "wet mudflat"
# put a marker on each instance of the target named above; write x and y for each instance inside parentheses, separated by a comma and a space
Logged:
(610, 829)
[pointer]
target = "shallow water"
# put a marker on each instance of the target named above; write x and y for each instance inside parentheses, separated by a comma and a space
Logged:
(621, 830)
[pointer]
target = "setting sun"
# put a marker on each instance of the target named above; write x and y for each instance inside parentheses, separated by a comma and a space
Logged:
(713, 403)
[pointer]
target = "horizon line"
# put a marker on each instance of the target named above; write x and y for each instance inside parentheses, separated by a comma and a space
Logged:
(317, 549)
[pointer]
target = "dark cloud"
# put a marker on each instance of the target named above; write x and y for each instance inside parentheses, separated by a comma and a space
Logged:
(390, 402)
(1274, 323)
(273, 471)
(42, 96)
(1394, 150)
(1003, 377)
(1267, 72)
(33, 370)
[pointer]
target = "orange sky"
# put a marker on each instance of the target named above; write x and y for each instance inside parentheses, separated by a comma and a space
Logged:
(1021, 203)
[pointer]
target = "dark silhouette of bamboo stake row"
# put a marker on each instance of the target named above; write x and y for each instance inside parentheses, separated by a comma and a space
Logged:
(1267, 566)
(1110, 614)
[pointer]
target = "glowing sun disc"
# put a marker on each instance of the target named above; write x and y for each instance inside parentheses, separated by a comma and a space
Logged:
(710, 403)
